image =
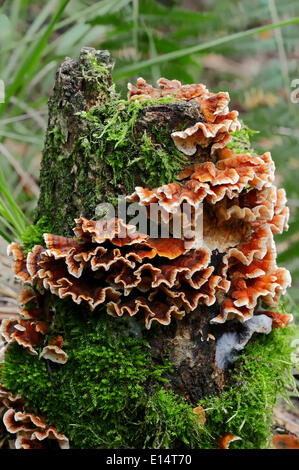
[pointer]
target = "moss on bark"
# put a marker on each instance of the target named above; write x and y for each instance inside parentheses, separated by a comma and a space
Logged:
(70, 174)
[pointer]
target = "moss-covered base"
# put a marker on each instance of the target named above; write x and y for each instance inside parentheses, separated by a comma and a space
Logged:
(110, 393)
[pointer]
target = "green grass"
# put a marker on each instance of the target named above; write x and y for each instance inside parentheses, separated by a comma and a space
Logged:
(134, 68)
(13, 219)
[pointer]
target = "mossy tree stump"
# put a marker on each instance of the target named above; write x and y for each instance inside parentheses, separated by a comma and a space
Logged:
(76, 175)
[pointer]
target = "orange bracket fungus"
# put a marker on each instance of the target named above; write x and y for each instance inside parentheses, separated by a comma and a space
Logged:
(285, 441)
(130, 272)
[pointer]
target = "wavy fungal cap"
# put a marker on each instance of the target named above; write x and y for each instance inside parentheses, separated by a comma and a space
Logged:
(217, 122)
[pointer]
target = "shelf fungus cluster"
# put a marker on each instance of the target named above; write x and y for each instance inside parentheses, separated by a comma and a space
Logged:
(30, 332)
(30, 431)
(31, 329)
(109, 262)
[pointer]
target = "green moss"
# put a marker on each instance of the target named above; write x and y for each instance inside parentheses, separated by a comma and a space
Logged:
(108, 158)
(95, 74)
(33, 235)
(160, 167)
(58, 137)
(110, 393)
(261, 375)
(69, 178)
(170, 422)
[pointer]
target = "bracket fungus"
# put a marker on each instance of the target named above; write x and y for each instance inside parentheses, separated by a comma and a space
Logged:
(217, 122)
(31, 431)
(227, 286)
(285, 441)
(31, 328)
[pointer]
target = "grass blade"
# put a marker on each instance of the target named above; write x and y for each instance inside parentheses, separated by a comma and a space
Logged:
(136, 67)
(9, 209)
(26, 69)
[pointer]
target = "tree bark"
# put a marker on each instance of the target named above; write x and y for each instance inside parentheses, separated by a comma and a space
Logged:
(72, 182)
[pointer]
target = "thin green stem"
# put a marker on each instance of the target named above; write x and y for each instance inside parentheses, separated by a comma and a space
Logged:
(280, 46)
(13, 212)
